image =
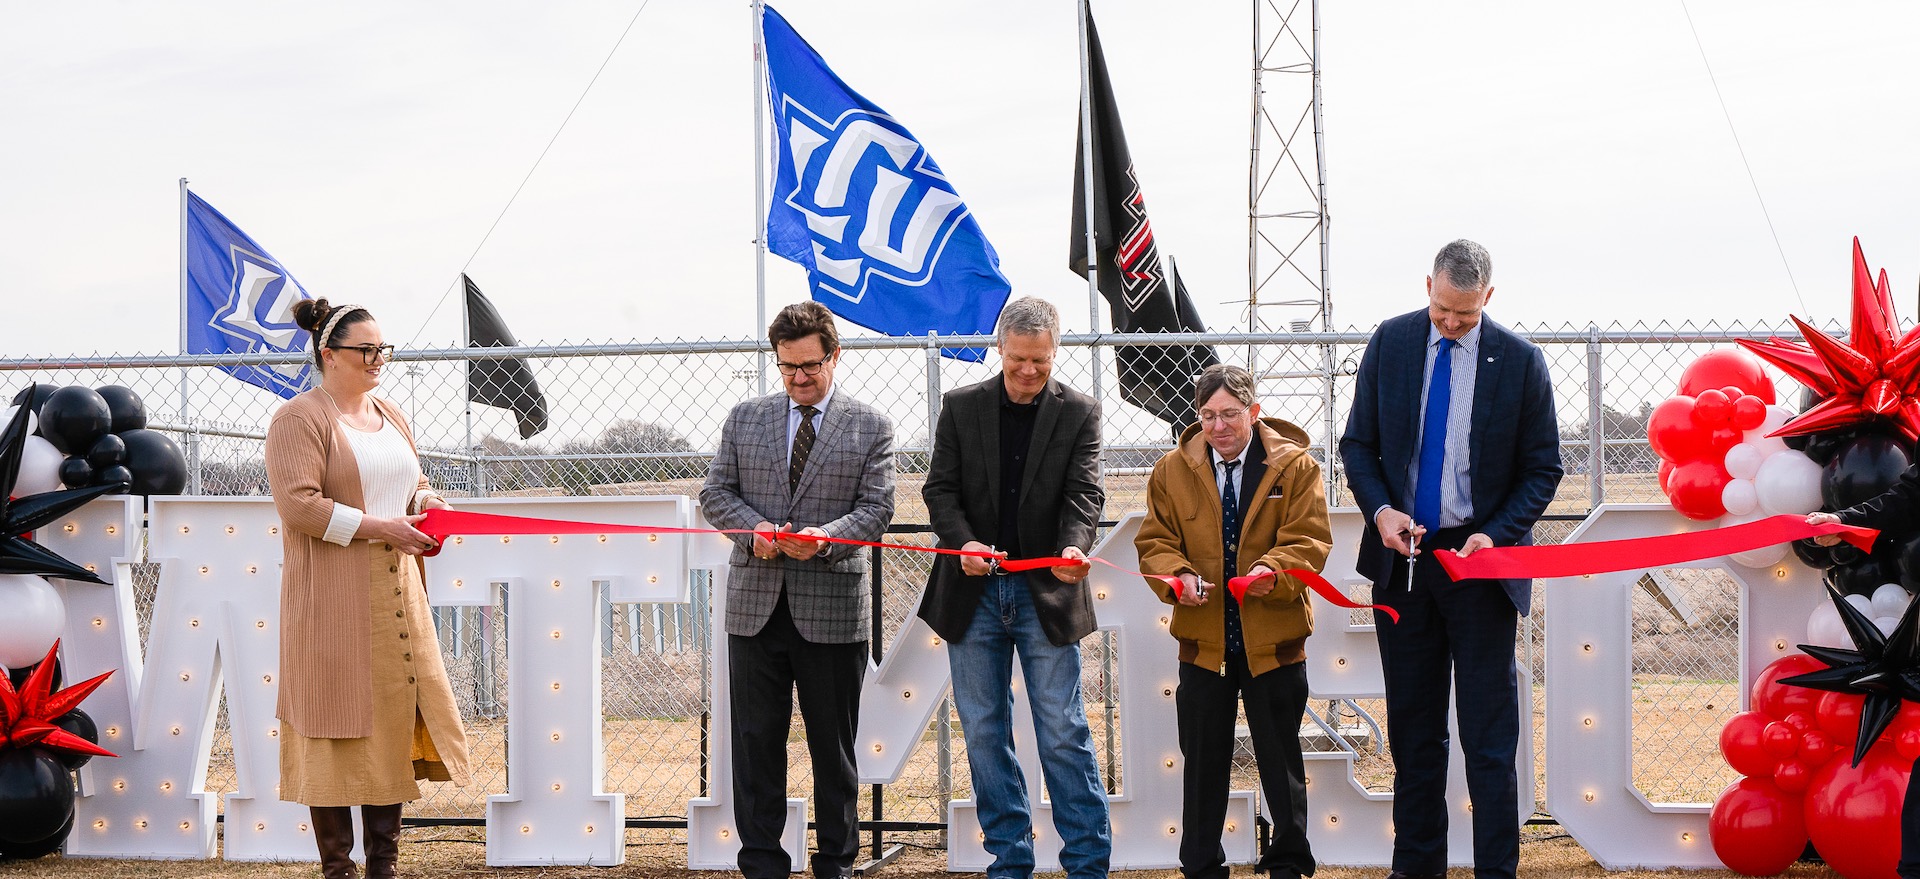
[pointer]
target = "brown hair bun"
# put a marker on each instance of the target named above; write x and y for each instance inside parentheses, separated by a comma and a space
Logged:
(310, 314)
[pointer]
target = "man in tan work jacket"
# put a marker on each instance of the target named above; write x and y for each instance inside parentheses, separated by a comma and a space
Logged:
(1239, 496)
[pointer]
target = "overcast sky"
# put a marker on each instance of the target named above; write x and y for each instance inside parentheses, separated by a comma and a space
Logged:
(369, 146)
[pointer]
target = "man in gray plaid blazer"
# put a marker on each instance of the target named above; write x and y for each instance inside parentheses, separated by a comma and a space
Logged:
(812, 462)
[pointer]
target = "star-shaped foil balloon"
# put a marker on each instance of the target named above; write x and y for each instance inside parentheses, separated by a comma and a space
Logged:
(19, 517)
(27, 715)
(1873, 376)
(1883, 668)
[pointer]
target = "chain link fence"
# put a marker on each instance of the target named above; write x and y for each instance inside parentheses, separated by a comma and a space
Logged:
(644, 418)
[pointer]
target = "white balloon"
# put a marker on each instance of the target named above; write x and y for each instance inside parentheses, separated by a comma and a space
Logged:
(39, 468)
(1788, 484)
(1863, 603)
(34, 617)
(1763, 557)
(33, 419)
(1738, 497)
(1886, 624)
(1889, 601)
(1824, 628)
(1743, 461)
(1776, 418)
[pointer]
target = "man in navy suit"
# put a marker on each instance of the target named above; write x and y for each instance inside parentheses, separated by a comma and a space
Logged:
(1451, 444)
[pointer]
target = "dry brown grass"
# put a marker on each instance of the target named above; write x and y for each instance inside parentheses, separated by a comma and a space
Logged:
(1545, 853)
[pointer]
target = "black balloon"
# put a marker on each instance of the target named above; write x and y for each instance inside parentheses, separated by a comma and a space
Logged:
(1821, 447)
(157, 465)
(73, 418)
(39, 392)
(1861, 577)
(76, 473)
(36, 795)
(39, 848)
(80, 724)
(1861, 470)
(19, 675)
(1845, 554)
(129, 413)
(1813, 554)
(107, 451)
(1910, 564)
(115, 475)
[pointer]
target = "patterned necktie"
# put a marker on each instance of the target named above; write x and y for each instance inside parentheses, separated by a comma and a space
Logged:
(802, 447)
(1230, 541)
(1433, 439)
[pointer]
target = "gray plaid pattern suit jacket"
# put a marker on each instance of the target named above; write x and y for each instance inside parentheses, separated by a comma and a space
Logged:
(846, 490)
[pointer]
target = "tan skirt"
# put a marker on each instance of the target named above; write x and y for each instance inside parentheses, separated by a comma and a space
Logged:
(416, 726)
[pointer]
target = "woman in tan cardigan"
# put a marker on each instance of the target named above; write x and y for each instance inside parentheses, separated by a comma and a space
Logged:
(365, 707)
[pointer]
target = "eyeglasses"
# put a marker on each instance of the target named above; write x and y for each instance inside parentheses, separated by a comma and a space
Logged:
(811, 367)
(1230, 416)
(369, 354)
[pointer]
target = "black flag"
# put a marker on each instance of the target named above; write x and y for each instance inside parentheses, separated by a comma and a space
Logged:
(1156, 378)
(506, 382)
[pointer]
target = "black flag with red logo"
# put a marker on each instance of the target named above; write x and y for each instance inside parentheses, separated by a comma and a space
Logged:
(1157, 378)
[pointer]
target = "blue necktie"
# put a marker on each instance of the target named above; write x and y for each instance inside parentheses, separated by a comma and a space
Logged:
(1230, 542)
(1433, 439)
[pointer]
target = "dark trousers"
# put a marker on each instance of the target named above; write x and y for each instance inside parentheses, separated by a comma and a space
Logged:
(1451, 633)
(1910, 828)
(764, 670)
(1207, 704)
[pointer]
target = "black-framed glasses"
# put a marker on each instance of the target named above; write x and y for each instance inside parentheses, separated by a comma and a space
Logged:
(811, 367)
(369, 354)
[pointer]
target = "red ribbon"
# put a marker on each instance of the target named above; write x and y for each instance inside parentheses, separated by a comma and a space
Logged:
(442, 524)
(1606, 556)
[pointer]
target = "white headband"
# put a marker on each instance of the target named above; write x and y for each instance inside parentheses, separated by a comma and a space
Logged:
(333, 320)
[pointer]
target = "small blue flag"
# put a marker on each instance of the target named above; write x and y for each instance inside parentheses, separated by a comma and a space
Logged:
(886, 240)
(240, 300)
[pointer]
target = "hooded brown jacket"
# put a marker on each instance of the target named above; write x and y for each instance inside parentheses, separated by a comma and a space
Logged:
(1285, 526)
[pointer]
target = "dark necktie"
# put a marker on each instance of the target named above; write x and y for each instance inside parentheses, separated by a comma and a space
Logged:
(1230, 542)
(802, 447)
(1433, 439)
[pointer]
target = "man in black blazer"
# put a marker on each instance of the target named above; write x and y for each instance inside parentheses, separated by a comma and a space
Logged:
(1451, 444)
(1015, 471)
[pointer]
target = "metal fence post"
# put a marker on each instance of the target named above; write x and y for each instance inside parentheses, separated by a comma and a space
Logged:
(1596, 423)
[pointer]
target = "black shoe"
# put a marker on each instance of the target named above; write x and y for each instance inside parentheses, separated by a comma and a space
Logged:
(1402, 874)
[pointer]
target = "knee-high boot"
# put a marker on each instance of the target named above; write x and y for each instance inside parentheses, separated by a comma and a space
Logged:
(333, 834)
(382, 826)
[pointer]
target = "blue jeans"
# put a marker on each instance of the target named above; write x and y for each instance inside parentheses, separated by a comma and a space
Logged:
(1004, 623)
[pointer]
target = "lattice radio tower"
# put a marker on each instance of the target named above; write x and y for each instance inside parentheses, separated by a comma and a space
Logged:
(1287, 289)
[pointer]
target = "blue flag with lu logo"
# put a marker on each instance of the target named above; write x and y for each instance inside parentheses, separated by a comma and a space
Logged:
(857, 200)
(240, 300)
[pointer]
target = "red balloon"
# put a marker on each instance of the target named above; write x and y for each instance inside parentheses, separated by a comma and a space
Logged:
(1720, 441)
(1800, 721)
(1906, 743)
(1728, 366)
(1672, 433)
(1740, 742)
(1748, 412)
(1853, 815)
(1779, 700)
(1757, 829)
(1712, 408)
(1815, 748)
(1694, 489)
(1666, 470)
(1792, 776)
(1780, 740)
(1839, 715)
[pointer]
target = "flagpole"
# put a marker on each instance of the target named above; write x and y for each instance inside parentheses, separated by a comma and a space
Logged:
(186, 377)
(466, 383)
(759, 191)
(1086, 184)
